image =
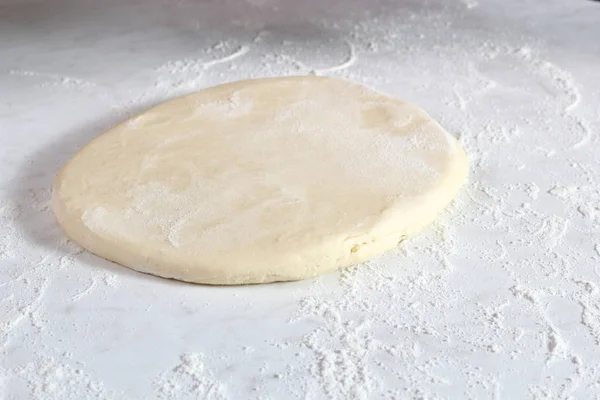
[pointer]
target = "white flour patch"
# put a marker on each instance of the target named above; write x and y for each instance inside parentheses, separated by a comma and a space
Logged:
(189, 380)
(49, 379)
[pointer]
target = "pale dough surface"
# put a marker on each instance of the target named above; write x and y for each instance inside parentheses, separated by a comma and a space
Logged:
(259, 181)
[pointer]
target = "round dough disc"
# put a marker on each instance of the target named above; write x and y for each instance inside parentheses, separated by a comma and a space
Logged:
(259, 181)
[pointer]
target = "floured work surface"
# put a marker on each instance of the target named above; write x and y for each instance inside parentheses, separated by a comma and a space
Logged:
(498, 299)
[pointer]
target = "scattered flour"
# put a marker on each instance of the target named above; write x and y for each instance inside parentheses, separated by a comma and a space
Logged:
(47, 378)
(189, 380)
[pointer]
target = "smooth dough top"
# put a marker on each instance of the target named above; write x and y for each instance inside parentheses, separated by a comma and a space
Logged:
(259, 181)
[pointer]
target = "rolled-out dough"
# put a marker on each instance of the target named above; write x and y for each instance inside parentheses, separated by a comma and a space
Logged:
(259, 180)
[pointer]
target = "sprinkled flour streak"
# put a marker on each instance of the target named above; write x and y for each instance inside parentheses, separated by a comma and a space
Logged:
(587, 133)
(565, 82)
(86, 291)
(187, 75)
(198, 65)
(348, 62)
(559, 77)
(241, 51)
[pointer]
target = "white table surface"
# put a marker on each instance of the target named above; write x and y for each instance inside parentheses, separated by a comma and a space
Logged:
(499, 299)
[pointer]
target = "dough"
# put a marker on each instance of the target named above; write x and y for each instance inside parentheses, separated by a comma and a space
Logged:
(259, 180)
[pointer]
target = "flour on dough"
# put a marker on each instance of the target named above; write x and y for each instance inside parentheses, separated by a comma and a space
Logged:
(259, 181)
